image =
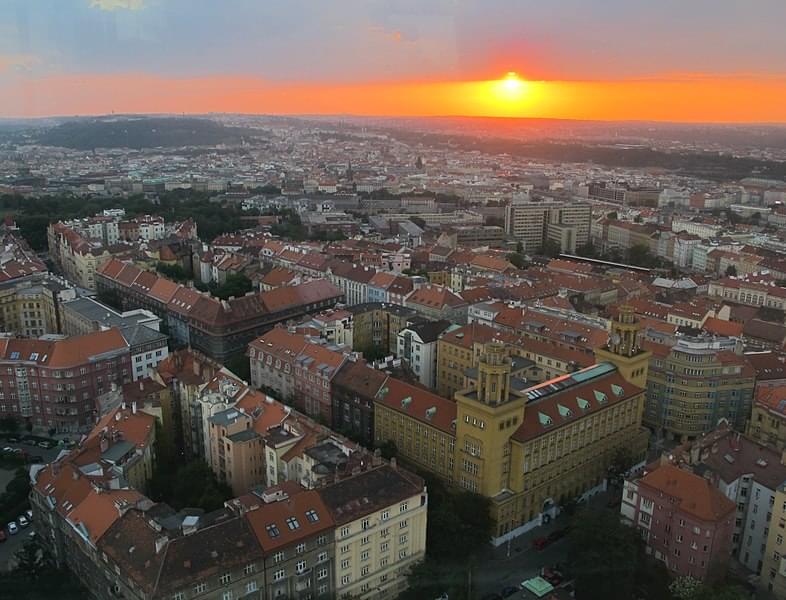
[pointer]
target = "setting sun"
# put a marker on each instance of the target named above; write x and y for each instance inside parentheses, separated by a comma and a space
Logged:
(510, 89)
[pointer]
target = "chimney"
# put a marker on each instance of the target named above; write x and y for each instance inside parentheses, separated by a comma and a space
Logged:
(133, 407)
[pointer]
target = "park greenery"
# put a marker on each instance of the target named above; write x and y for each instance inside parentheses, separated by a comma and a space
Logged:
(37, 577)
(235, 286)
(189, 485)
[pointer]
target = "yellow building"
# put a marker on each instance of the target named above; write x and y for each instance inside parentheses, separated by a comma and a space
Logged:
(768, 417)
(379, 538)
(773, 569)
(29, 308)
(420, 423)
(459, 350)
(532, 450)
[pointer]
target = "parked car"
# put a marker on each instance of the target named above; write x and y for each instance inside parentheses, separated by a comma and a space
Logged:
(540, 543)
(45, 444)
(13, 440)
(22, 520)
(553, 576)
(8, 450)
(29, 515)
(12, 528)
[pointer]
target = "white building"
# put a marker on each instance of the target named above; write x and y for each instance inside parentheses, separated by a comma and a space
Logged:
(417, 344)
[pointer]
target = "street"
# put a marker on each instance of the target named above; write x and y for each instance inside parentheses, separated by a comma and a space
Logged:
(14, 542)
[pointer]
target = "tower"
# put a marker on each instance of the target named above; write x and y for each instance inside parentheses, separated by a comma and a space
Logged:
(487, 414)
(623, 349)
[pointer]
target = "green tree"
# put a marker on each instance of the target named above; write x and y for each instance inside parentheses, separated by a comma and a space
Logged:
(587, 250)
(36, 577)
(640, 256)
(621, 462)
(239, 364)
(604, 554)
(388, 449)
(518, 260)
(551, 248)
(193, 485)
(235, 286)
(10, 424)
(731, 271)
(173, 272)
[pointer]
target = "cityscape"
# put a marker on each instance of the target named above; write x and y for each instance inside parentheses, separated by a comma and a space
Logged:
(427, 314)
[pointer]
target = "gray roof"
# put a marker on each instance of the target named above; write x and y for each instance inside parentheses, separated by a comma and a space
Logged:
(117, 451)
(243, 436)
(137, 335)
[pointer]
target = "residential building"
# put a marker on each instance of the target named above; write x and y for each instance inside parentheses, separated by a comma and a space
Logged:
(767, 423)
(417, 344)
(436, 302)
(54, 384)
(685, 521)
(354, 388)
(528, 222)
(29, 305)
(375, 326)
(692, 385)
(219, 328)
(272, 360)
(379, 539)
(773, 571)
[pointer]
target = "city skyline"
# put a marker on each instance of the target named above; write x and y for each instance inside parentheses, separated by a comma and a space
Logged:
(610, 61)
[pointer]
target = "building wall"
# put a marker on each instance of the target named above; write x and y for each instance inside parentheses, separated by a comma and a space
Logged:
(773, 572)
(767, 427)
(375, 552)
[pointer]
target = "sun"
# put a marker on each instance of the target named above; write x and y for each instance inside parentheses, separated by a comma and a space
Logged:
(509, 90)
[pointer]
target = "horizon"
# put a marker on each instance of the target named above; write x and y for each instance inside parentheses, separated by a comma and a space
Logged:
(619, 61)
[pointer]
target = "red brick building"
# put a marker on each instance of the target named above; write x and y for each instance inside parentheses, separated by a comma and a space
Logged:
(54, 384)
(685, 522)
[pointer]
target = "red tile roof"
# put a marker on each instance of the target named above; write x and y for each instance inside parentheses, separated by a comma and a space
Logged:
(419, 404)
(695, 495)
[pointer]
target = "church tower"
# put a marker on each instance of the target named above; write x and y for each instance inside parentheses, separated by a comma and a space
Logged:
(487, 414)
(623, 349)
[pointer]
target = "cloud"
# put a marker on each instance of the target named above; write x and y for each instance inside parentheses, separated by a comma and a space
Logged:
(117, 4)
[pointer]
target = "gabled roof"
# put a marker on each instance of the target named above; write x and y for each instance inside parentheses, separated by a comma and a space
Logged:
(419, 404)
(695, 495)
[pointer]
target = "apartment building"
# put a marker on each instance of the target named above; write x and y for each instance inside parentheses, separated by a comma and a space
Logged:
(272, 360)
(218, 328)
(380, 538)
(748, 474)
(767, 423)
(755, 292)
(685, 522)
(528, 222)
(375, 326)
(436, 302)
(692, 385)
(417, 344)
(773, 571)
(355, 386)
(54, 384)
(29, 305)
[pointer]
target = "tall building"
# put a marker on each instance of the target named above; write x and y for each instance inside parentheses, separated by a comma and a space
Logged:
(773, 571)
(691, 386)
(528, 222)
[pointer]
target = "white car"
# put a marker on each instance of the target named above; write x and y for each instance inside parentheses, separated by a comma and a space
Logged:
(23, 522)
(29, 515)
(12, 528)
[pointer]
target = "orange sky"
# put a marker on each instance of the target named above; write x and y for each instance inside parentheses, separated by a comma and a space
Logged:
(688, 98)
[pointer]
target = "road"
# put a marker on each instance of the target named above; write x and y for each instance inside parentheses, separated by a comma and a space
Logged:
(14, 542)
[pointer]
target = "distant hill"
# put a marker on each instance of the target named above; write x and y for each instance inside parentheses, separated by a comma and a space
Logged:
(145, 132)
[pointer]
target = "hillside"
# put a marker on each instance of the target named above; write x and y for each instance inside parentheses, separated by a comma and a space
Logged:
(144, 132)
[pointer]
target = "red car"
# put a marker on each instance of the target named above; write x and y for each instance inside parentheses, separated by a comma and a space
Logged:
(551, 575)
(3, 536)
(540, 543)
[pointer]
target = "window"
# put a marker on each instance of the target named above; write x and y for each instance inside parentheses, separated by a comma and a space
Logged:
(300, 566)
(279, 575)
(402, 539)
(322, 574)
(383, 547)
(200, 588)
(385, 515)
(249, 568)
(345, 580)
(227, 595)
(403, 507)
(344, 531)
(364, 571)
(345, 563)
(402, 554)
(300, 548)
(403, 524)
(251, 587)
(292, 523)
(322, 557)
(364, 555)
(178, 596)
(226, 578)
(344, 548)
(272, 530)
(365, 524)
(312, 516)
(322, 540)
(278, 557)
(364, 540)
